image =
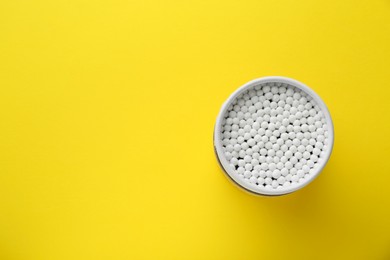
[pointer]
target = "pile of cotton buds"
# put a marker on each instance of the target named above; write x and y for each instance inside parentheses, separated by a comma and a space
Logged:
(274, 135)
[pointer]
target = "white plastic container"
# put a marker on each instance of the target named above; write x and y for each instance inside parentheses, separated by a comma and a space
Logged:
(232, 173)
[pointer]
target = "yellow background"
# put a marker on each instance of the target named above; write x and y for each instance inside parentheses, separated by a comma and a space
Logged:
(107, 111)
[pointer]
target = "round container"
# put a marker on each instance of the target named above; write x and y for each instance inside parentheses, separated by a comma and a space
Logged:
(232, 173)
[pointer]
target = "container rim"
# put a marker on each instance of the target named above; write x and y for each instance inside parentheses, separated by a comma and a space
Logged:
(253, 188)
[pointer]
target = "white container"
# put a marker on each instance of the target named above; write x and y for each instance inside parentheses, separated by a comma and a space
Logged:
(232, 174)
